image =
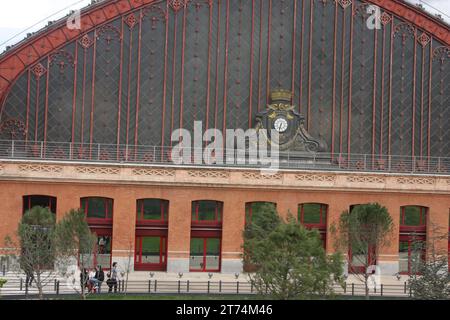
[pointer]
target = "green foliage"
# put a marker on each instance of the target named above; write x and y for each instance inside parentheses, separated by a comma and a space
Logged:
(36, 235)
(432, 281)
(39, 216)
(366, 226)
(291, 262)
(429, 278)
(3, 282)
(73, 234)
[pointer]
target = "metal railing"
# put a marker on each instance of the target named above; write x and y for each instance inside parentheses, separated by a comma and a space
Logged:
(154, 155)
(18, 288)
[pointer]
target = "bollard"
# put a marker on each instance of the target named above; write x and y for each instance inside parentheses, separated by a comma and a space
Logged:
(149, 286)
(251, 287)
(187, 287)
(57, 288)
(21, 284)
(353, 289)
(404, 291)
(345, 287)
(220, 286)
(381, 290)
(179, 286)
(209, 286)
(156, 286)
(237, 287)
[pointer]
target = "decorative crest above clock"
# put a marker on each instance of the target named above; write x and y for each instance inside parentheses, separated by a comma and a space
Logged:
(281, 115)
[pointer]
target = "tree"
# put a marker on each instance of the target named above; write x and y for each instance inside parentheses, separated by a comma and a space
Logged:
(363, 231)
(430, 279)
(37, 253)
(75, 243)
(290, 260)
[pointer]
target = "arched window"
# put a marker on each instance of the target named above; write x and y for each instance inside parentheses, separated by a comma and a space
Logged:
(151, 235)
(99, 216)
(152, 211)
(206, 236)
(360, 258)
(39, 200)
(413, 224)
(254, 208)
(207, 212)
(314, 216)
(97, 208)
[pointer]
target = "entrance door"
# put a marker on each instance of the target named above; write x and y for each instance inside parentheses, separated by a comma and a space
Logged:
(205, 255)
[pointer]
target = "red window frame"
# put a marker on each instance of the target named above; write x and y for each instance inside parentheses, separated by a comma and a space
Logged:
(372, 261)
(164, 206)
(360, 269)
(27, 200)
(217, 222)
(410, 239)
(413, 233)
(421, 228)
(322, 226)
(205, 238)
(162, 265)
(323, 216)
(100, 232)
(108, 220)
(249, 210)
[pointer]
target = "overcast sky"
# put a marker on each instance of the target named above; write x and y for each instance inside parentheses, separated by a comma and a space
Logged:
(18, 15)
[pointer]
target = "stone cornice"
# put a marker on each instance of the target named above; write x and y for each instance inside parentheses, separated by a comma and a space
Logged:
(21, 171)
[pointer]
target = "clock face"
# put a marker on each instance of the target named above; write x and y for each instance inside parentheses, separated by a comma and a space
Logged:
(281, 125)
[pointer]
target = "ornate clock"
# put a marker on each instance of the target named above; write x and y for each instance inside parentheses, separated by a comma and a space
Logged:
(282, 117)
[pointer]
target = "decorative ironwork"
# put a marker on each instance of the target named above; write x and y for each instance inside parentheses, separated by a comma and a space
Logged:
(62, 58)
(424, 39)
(131, 20)
(38, 70)
(13, 129)
(86, 42)
(385, 18)
(345, 3)
(217, 63)
(176, 5)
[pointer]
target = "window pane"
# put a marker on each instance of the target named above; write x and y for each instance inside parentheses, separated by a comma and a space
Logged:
(207, 211)
(412, 216)
(212, 254)
(151, 209)
(104, 251)
(151, 250)
(403, 257)
(359, 257)
(311, 213)
(41, 201)
(96, 207)
(196, 261)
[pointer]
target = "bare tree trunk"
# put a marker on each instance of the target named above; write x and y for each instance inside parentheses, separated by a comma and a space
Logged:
(366, 285)
(39, 285)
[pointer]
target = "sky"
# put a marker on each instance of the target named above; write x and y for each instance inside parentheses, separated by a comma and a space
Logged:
(14, 19)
